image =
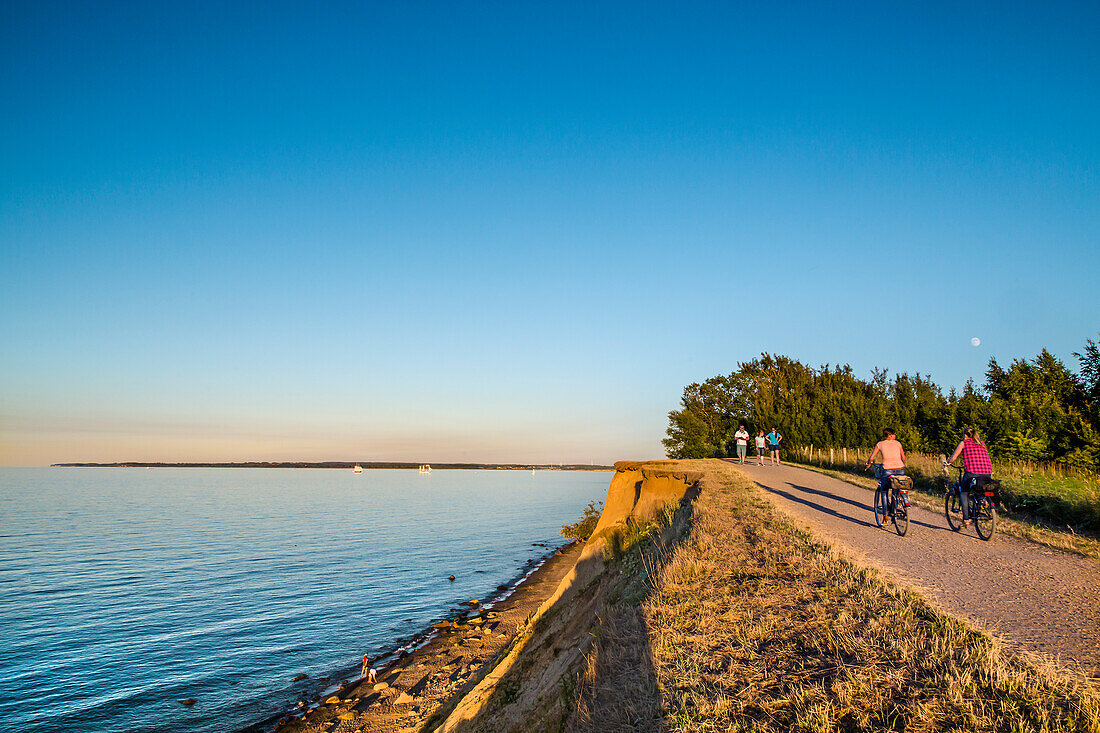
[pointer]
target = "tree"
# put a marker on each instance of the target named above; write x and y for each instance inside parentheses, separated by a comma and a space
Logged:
(1032, 406)
(687, 435)
(1090, 370)
(1033, 409)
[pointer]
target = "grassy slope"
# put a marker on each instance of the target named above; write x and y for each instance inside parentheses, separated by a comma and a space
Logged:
(754, 624)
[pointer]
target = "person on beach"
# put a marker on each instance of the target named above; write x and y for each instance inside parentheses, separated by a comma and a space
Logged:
(369, 673)
(893, 459)
(774, 439)
(976, 467)
(760, 441)
(742, 438)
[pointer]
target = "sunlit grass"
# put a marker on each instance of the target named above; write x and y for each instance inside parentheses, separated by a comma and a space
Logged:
(757, 625)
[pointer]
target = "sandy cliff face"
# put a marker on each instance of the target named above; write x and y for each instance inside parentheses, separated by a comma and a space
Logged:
(530, 687)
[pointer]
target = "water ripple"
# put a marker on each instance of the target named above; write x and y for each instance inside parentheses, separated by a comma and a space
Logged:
(123, 591)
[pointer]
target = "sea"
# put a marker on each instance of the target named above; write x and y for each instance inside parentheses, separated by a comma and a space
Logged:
(126, 590)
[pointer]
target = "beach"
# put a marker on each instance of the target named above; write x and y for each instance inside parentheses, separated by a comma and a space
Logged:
(441, 667)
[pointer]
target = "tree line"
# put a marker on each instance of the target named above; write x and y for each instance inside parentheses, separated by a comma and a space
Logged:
(1033, 409)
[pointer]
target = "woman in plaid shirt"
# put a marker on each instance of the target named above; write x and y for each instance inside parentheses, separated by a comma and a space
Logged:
(976, 465)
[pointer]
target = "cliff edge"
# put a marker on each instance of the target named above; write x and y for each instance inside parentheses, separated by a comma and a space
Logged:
(533, 685)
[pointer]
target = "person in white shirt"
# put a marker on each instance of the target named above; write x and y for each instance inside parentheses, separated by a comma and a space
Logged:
(742, 438)
(760, 441)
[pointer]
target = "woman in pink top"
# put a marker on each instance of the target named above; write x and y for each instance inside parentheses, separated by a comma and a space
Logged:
(893, 458)
(976, 466)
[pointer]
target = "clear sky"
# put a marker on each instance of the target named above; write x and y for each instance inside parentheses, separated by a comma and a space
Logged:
(515, 231)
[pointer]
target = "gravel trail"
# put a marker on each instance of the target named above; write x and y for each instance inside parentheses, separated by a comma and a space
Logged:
(1042, 600)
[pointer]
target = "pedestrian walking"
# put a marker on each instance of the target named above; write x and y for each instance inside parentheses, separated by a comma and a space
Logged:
(760, 442)
(742, 438)
(774, 439)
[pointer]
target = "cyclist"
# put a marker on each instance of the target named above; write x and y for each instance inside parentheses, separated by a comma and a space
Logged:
(893, 461)
(976, 467)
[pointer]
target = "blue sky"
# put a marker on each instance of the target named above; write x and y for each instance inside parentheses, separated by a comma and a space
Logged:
(516, 231)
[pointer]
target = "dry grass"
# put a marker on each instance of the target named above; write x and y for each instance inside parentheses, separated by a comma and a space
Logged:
(617, 688)
(756, 625)
(616, 691)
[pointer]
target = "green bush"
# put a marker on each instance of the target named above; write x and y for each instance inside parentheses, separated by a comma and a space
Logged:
(582, 530)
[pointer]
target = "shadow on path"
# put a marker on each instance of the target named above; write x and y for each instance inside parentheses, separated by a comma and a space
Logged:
(813, 505)
(938, 527)
(831, 495)
(838, 498)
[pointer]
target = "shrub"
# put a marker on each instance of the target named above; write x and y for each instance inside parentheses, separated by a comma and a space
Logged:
(582, 530)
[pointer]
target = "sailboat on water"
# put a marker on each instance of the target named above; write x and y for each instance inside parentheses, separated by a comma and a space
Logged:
(424, 468)
(358, 468)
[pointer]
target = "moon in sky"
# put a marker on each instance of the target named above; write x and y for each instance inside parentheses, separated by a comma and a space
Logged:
(975, 341)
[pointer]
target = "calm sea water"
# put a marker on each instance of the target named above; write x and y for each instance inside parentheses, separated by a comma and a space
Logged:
(123, 591)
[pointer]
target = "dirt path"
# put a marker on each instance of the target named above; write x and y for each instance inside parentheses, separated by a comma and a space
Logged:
(1044, 600)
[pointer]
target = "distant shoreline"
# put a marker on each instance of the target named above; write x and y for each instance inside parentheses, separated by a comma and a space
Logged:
(347, 464)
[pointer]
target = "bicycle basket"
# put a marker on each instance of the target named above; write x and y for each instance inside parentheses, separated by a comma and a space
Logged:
(990, 487)
(902, 483)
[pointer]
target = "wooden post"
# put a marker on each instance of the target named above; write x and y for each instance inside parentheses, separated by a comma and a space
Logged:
(845, 455)
(832, 459)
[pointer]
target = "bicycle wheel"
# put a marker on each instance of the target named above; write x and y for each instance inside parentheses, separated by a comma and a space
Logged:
(901, 515)
(985, 517)
(880, 507)
(953, 509)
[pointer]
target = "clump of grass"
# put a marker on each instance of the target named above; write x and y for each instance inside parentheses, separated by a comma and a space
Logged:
(581, 530)
(757, 625)
(625, 538)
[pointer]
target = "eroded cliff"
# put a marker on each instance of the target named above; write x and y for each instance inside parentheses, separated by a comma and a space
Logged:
(534, 685)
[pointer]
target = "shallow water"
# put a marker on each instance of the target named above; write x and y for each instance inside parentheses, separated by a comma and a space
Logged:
(123, 591)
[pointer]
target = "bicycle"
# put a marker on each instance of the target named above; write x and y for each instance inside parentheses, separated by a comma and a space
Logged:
(893, 503)
(981, 508)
